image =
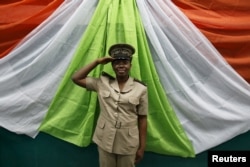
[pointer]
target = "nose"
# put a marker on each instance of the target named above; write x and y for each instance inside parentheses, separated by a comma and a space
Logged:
(121, 63)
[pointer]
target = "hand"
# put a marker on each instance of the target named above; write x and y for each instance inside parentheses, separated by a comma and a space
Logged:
(139, 155)
(104, 60)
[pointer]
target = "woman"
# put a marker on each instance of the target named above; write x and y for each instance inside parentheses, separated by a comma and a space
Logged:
(121, 127)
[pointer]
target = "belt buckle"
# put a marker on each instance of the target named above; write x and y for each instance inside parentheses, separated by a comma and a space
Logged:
(118, 124)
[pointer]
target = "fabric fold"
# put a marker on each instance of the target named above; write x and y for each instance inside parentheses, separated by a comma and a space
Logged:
(17, 20)
(31, 73)
(208, 96)
(73, 110)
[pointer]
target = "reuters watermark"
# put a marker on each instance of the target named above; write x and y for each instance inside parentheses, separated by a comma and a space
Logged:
(228, 158)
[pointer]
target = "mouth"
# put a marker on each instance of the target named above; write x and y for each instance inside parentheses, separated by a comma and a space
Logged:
(121, 71)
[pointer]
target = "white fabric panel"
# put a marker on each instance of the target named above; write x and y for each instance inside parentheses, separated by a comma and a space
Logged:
(211, 100)
(30, 74)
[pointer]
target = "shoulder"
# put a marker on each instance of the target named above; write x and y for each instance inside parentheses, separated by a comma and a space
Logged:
(106, 75)
(140, 82)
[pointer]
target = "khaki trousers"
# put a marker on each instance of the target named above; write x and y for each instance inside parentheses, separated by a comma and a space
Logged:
(107, 159)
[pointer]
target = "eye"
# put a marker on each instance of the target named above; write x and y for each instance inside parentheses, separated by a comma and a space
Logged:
(118, 62)
(126, 62)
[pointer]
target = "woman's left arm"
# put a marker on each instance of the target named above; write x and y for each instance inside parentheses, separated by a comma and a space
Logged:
(142, 125)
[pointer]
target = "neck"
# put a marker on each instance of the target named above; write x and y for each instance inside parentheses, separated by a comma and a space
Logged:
(122, 79)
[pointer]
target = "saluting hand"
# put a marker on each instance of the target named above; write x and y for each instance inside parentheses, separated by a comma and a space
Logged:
(104, 60)
(80, 76)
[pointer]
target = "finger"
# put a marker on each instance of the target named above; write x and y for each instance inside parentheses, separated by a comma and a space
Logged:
(137, 160)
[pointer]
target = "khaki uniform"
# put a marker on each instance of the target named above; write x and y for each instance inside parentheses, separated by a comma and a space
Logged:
(117, 130)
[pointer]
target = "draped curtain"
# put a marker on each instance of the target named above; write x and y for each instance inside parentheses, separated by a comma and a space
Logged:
(19, 18)
(224, 22)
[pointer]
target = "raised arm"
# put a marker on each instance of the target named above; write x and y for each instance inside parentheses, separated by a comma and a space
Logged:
(80, 76)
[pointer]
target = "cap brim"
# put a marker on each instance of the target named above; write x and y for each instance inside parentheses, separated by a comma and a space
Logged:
(122, 58)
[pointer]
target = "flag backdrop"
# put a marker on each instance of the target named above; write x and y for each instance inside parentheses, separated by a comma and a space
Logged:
(194, 57)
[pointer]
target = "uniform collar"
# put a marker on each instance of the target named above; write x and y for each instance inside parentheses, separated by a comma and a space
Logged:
(129, 85)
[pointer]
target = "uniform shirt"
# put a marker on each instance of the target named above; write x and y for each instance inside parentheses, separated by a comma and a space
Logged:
(117, 130)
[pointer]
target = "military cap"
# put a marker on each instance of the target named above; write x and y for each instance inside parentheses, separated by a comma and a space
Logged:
(121, 51)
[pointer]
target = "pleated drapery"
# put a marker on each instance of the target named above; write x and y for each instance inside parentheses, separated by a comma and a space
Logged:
(19, 18)
(226, 24)
(114, 21)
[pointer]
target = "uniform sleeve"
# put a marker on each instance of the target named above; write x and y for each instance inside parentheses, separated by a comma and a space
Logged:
(143, 105)
(91, 83)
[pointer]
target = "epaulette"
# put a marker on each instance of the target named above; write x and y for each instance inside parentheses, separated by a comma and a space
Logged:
(107, 75)
(136, 80)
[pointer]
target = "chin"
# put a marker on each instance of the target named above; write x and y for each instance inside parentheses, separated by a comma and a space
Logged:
(122, 74)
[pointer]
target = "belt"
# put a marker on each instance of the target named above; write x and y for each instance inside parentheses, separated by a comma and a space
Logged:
(118, 124)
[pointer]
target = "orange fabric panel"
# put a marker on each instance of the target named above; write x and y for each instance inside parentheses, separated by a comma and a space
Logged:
(19, 17)
(226, 23)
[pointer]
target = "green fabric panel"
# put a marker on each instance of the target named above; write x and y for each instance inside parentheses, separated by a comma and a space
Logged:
(73, 112)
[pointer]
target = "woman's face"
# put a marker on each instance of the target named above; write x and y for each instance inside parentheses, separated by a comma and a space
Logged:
(121, 67)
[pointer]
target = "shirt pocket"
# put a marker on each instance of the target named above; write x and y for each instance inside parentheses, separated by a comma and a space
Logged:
(133, 137)
(100, 129)
(105, 99)
(105, 94)
(134, 102)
